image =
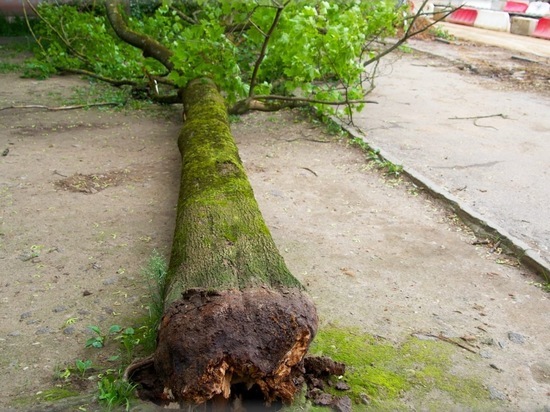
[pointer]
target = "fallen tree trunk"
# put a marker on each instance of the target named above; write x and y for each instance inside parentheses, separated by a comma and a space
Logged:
(236, 315)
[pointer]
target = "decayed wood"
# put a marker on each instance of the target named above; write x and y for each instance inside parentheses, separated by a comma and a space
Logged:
(211, 341)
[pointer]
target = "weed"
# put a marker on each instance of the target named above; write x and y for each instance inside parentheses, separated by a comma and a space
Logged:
(155, 274)
(441, 33)
(6, 67)
(545, 286)
(373, 155)
(333, 128)
(129, 340)
(391, 169)
(83, 366)
(235, 119)
(98, 92)
(114, 390)
(62, 374)
(56, 394)
(97, 341)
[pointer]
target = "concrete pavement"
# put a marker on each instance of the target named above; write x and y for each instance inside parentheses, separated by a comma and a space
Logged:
(494, 170)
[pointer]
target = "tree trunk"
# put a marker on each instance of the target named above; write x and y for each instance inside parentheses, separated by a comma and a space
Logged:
(237, 317)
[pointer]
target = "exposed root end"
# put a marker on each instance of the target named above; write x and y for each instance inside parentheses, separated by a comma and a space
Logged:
(211, 343)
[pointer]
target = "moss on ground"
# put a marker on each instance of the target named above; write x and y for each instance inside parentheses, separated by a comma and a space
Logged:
(417, 373)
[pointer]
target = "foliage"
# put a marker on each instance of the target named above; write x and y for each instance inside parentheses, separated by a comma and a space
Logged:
(13, 26)
(83, 366)
(114, 390)
(251, 49)
(84, 41)
(99, 339)
(6, 67)
(442, 33)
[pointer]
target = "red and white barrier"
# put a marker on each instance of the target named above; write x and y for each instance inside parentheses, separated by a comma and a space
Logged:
(464, 15)
(493, 20)
(524, 20)
(543, 28)
(519, 7)
(538, 8)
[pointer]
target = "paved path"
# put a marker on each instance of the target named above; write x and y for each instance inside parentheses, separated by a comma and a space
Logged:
(498, 166)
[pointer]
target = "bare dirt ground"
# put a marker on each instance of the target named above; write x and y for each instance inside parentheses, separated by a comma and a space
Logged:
(87, 195)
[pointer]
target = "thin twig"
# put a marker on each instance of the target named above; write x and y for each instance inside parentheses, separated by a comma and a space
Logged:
(409, 33)
(480, 117)
(59, 108)
(183, 16)
(449, 340)
(485, 126)
(309, 170)
(114, 82)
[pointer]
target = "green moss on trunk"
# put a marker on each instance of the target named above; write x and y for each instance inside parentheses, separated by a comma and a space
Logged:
(221, 240)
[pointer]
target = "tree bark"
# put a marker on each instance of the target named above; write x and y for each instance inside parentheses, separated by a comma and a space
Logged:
(237, 316)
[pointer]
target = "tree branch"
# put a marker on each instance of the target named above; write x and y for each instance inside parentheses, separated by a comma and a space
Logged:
(114, 82)
(59, 108)
(149, 46)
(61, 37)
(312, 101)
(264, 48)
(409, 33)
(184, 16)
(261, 103)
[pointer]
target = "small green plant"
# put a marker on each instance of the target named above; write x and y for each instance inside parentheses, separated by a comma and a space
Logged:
(391, 169)
(155, 274)
(373, 155)
(129, 340)
(441, 33)
(114, 390)
(63, 374)
(56, 394)
(83, 366)
(235, 119)
(98, 341)
(545, 286)
(6, 67)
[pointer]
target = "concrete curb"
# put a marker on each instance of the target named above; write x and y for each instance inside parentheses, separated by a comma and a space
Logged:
(478, 223)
